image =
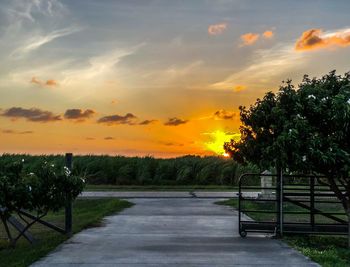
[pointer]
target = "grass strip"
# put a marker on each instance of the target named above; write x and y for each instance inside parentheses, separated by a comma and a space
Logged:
(328, 251)
(86, 213)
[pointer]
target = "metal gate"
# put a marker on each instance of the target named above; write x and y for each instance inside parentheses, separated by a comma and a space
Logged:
(289, 204)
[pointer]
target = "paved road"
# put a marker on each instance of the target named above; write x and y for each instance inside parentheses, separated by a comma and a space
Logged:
(173, 232)
(166, 194)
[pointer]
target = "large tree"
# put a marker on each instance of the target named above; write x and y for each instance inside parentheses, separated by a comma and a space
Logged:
(302, 129)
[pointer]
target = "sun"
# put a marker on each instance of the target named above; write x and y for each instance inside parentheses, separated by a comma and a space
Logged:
(226, 155)
(217, 140)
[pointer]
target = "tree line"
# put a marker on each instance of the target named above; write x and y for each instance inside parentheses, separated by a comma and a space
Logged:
(121, 170)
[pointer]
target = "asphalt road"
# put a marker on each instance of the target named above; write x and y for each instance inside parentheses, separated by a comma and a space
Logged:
(172, 232)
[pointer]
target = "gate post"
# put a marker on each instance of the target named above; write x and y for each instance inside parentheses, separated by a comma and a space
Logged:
(279, 200)
(68, 208)
(312, 203)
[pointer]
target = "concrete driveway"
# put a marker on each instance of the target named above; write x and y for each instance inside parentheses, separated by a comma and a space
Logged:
(159, 232)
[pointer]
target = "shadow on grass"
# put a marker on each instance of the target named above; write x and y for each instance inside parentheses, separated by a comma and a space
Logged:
(87, 213)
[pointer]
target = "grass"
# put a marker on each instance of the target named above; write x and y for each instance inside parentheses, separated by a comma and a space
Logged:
(160, 188)
(86, 213)
(328, 251)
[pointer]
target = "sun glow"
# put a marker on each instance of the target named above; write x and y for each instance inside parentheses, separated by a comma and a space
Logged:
(217, 140)
(226, 155)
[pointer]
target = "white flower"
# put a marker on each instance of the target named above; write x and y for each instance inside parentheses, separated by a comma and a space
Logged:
(311, 96)
(348, 101)
(29, 188)
(52, 165)
(290, 130)
(304, 158)
(31, 173)
(22, 160)
(67, 171)
(83, 180)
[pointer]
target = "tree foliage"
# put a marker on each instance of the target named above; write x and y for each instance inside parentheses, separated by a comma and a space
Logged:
(301, 129)
(46, 188)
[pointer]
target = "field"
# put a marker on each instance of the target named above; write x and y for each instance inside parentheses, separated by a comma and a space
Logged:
(329, 251)
(83, 217)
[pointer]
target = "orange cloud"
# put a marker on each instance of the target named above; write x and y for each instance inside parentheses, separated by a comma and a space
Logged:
(239, 88)
(217, 29)
(37, 81)
(268, 34)
(51, 83)
(249, 38)
(315, 39)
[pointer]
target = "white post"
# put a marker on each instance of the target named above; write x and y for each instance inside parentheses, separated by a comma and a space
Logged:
(266, 181)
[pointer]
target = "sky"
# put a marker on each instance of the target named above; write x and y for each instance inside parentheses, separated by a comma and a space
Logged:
(163, 78)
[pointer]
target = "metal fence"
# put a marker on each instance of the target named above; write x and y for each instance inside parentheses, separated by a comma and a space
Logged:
(289, 204)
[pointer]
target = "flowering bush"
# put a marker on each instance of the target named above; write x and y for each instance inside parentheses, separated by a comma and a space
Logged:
(48, 188)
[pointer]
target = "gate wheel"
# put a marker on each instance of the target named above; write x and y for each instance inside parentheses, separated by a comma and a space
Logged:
(243, 233)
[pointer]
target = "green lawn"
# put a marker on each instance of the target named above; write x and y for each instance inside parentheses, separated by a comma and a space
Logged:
(328, 251)
(90, 187)
(86, 213)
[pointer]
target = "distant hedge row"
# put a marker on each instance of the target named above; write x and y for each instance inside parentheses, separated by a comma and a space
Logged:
(120, 170)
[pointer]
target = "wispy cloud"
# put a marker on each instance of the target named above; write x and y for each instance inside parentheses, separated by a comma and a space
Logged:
(239, 88)
(171, 144)
(9, 131)
(147, 122)
(40, 40)
(266, 66)
(26, 10)
(35, 80)
(216, 29)
(101, 66)
(315, 39)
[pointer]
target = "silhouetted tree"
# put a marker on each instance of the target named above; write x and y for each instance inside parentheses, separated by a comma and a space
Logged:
(304, 129)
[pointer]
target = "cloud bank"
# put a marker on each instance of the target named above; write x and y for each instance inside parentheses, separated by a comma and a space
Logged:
(118, 119)
(79, 114)
(32, 114)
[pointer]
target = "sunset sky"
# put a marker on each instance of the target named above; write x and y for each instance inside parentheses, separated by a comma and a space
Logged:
(147, 77)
